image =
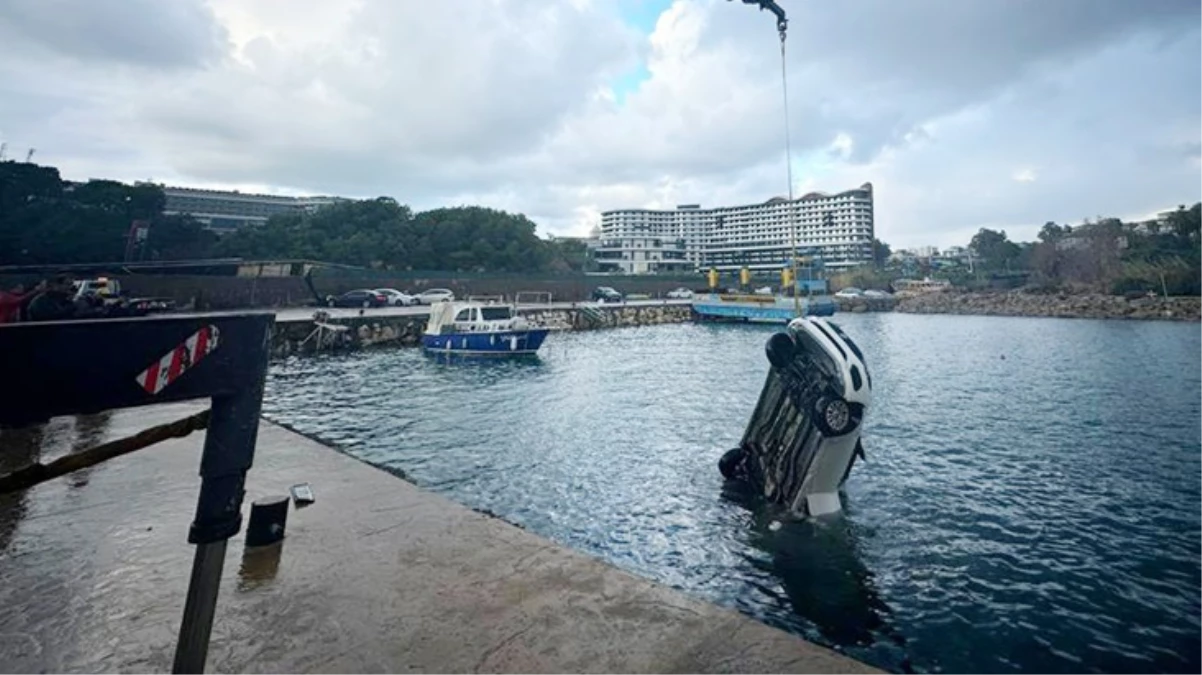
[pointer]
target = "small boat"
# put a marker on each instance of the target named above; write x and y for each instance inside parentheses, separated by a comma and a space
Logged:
(480, 329)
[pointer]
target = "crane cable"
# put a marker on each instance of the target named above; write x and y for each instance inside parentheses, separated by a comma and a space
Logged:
(784, 81)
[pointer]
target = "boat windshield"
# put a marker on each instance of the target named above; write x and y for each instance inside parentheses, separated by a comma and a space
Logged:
(495, 313)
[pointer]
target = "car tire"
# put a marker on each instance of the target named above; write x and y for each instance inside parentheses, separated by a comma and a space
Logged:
(833, 416)
(781, 350)
(331, 302)
(729, 464)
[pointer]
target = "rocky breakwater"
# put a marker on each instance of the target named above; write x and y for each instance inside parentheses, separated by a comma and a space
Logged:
(1075, 306)
(585, 316)
(865, 304)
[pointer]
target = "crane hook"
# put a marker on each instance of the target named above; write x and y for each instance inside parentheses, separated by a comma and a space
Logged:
(782, 24)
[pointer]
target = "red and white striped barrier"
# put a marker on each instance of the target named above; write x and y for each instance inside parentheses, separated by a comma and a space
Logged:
(177, 361)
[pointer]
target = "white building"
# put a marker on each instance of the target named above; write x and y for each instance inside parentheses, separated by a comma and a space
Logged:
(224, 211)
(837, 228)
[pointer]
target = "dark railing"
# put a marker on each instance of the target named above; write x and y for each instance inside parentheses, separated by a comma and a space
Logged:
(83, 367)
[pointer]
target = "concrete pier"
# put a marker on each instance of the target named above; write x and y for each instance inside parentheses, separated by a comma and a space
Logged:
(294, 330)
(375, 576)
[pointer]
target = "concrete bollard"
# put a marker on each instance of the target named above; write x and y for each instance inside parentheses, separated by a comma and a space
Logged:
(268, 518)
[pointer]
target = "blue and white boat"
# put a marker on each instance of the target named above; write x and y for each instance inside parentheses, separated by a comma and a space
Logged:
(480, 329)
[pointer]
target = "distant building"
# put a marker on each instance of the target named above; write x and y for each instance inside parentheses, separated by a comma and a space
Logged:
(836, 229)
(224, 211)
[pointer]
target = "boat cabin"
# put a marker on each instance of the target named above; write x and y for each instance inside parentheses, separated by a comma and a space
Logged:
(471, 317)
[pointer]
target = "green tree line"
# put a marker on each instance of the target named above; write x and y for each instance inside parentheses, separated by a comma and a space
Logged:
(45, 220)
(382, 234)
(1106, 255)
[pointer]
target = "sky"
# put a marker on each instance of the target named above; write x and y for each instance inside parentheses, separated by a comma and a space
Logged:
(962, 114)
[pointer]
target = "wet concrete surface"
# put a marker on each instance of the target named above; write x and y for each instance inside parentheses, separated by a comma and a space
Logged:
(376, 576)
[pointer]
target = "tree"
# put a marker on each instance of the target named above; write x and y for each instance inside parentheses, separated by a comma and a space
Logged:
(1051, 232)
(880, 252)
(45, 220)
(994, 249)
(178, 238)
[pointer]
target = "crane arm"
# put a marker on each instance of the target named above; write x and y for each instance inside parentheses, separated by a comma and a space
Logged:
(781, 22)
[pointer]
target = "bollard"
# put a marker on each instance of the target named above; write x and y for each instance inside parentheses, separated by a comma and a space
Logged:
(268, 517)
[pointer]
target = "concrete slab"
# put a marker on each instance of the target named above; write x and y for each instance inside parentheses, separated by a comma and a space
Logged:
(376, 576)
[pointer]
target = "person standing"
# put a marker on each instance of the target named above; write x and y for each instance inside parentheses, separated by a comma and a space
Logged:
(10, 303)
(53, 304)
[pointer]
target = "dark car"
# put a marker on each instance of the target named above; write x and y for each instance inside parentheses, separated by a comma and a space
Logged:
(606, 294)
(359, 298)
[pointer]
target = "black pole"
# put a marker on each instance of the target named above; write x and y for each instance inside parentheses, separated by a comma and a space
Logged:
(228, 453)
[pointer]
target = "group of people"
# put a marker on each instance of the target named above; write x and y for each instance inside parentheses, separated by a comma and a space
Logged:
(51, 300)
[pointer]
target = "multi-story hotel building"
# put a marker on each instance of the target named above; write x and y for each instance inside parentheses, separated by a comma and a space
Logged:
(223, 210)
(838, 229)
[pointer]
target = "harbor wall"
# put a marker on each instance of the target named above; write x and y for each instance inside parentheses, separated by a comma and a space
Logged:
(204, 292)
(344, 333)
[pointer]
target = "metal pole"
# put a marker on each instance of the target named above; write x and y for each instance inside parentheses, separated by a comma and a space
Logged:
(228, 454)
(199, 609)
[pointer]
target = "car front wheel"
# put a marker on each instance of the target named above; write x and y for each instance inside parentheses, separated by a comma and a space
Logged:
(833, 415)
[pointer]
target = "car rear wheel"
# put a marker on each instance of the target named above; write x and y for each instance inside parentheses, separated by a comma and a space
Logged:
(781, 349)
(833, 415)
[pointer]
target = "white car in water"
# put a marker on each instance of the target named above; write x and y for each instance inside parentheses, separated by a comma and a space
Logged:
(804, 435)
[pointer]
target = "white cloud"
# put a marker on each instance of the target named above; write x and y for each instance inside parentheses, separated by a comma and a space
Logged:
(511, 103)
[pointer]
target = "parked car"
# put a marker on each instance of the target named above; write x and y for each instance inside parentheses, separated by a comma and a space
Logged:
(359, 298)
(433, 295)
(606, 294)
(804, 435)
(849, 292)
(680, 293)
(764, 290)
(397, 298)
(873, 293)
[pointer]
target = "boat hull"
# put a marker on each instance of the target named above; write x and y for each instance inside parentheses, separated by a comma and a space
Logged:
(501, 343)
(778, 312)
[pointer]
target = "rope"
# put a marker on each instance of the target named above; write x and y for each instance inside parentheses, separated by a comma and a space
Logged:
(34, 474)
(784, 82)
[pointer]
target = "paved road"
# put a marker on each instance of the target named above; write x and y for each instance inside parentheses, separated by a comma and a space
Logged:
(306, 313)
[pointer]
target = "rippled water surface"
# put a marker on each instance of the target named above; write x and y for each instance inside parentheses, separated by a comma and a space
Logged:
(1031, 500)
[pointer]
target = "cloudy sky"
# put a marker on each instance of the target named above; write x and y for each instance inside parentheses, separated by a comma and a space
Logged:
(962, 113)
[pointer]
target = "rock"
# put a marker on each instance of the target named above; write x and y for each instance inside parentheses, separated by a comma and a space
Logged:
(1086, 305)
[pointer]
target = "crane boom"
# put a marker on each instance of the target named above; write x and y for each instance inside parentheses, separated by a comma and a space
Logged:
(781, 22)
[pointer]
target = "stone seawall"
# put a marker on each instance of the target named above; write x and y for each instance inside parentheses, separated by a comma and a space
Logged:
(1083, 306)
(865, 304)
(329, 334)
